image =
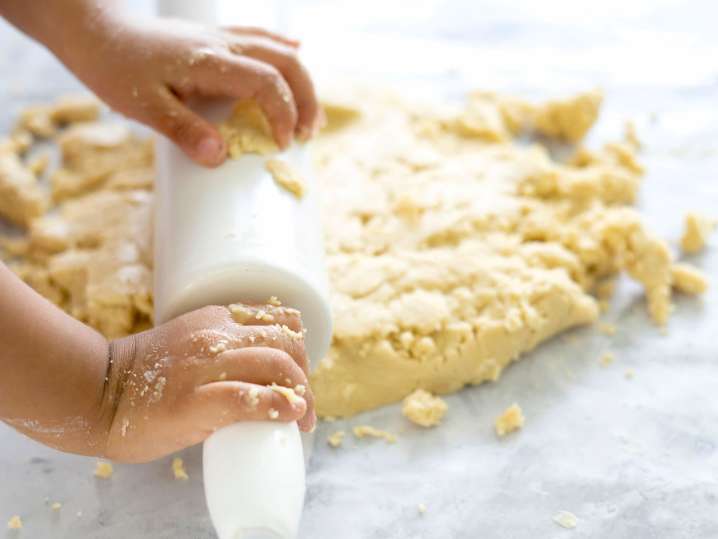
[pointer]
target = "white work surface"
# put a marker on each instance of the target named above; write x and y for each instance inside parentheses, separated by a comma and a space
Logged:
(631, 457)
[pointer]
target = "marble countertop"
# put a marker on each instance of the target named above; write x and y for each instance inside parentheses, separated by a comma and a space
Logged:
(629, 456)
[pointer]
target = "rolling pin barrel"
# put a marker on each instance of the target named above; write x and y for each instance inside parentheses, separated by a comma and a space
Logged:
(232, 234)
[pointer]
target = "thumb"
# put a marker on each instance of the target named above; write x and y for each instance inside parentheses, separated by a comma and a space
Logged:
(197, 138)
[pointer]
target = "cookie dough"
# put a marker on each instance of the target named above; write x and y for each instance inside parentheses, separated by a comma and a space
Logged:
(15, 523)
(286, 177)
(696, 232)
(178, 470)
(367, 431)
(336, 439)
(510, 420)
(247, 131)
(452, 250)
(103, 469)
(424, 409)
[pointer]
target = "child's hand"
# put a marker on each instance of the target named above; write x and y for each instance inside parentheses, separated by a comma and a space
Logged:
(147, 69)
(173, 386)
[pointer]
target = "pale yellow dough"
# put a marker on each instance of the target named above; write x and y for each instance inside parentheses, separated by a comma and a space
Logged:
(367, 431)
(247, 131)
(424, 409)
(15, 523)
(103, 469)
(451, 249)
(178, 470)
(698, 229)
(510, 420)
(286, 177)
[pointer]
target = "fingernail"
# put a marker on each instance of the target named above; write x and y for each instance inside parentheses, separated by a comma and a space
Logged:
(209, 149)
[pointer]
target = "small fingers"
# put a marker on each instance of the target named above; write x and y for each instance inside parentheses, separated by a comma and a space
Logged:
(198, 138)
(265, 315)
(261, 32)
(242, 77)
(213, 406)
(286, 61)
(258, 365)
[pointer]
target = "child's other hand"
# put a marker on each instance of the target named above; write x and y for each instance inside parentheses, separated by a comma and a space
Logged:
(146, 69)
(173, 386)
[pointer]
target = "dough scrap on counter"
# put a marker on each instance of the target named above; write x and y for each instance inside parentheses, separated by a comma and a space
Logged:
(452, 250)
(103, 469)
(15, 523)
(336, 438)
(566, 519)
(56, 506)
(697, 230)
(606, 359)
(178, 470)
(510, 420)
(364, 431)
(286, 177)
(689, 279)
(247, 131)
(424, 409)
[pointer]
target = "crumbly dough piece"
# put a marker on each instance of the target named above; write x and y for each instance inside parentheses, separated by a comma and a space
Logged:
(286, 177)
(689, 279)
(510, 420)
(286, 392)
(424, 409)
(37, 120)
(569, 119)
(336, 439)
(21, 197)
(364, 431)
(178, 469)
(565, 519)
(247, 131)
(103, 469)
(696, 232)
(606, 359)
(15, 523)
(451, 250)
(75, 108)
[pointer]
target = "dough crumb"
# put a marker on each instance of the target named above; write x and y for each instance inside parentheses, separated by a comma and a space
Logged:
(264, 315)
(606, 359)
(222, 376)
(178, 469)
(606, 328)
(697, 230)
(569, 119)
(218, 348)
(56, 506)
(363, 431)
(300, 389)
(247, 131)
(421, 508)
(286, 392)
(630, 135)
(272, 413)
(565, 519)
(424, 409)
(103, 469)
(15, 523)
(688, 279)
(336, 439)
(240, 313)
(286, 177)
(510, 420)
(273, 300)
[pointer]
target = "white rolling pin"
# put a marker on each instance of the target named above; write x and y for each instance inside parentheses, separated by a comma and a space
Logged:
(226, 235)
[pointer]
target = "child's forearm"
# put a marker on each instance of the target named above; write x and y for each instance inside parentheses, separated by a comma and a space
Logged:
(52, 371)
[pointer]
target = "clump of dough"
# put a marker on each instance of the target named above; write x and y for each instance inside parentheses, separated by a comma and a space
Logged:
(247, 131)
(286, 177)
(103, 469)
(424, 409)
(697, 230)
(565, 519)
(364, 431)
(178, 469)
(606, 359)
(688, 279)
(336, 439)
(509, 421)
(15, 523)
(569, 119)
